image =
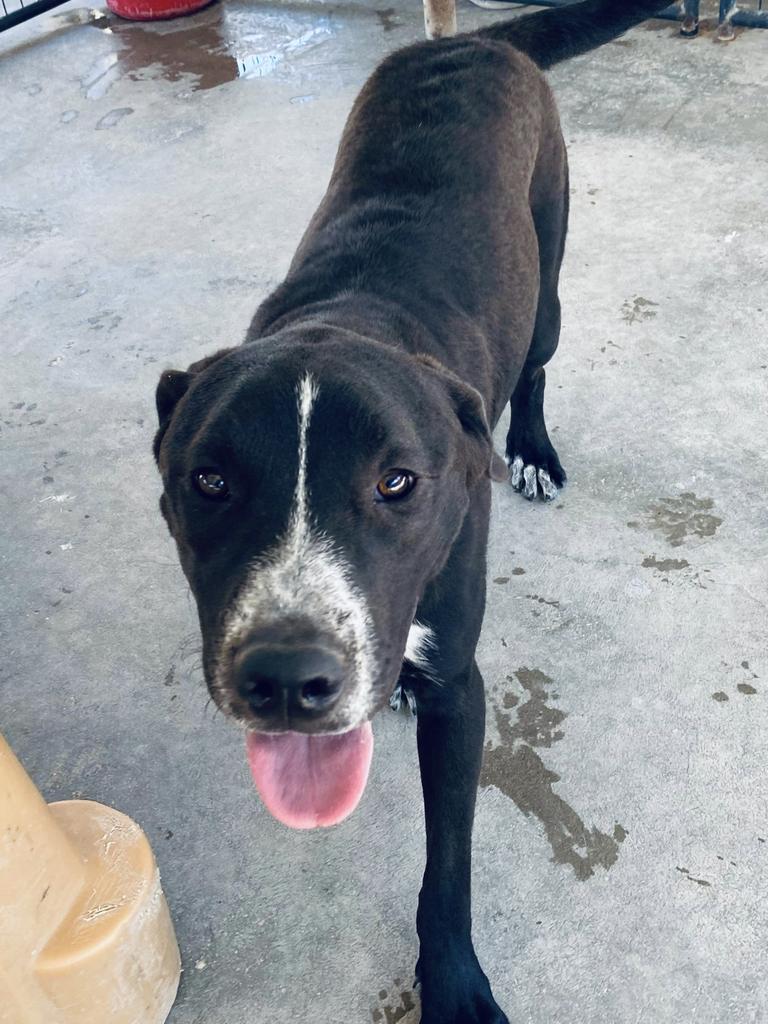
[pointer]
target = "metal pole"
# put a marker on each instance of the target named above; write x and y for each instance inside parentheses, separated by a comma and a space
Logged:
(25, 13)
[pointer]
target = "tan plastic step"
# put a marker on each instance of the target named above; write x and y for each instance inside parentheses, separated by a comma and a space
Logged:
(85, 932)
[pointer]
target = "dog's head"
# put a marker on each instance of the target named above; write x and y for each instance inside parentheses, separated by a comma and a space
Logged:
(313, 489)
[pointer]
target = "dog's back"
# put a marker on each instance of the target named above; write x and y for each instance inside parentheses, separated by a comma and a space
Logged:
(450, 149)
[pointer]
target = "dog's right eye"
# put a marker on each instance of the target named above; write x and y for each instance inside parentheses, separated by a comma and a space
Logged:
(395, 485)
(211, 483)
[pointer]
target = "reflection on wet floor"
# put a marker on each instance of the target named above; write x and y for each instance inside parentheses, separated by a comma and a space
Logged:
(193, 47)
(220, 44)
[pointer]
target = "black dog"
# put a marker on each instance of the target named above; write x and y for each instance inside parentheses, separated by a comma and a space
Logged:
(327, 483)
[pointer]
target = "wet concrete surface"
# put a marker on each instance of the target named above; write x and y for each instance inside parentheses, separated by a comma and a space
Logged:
(154, 182)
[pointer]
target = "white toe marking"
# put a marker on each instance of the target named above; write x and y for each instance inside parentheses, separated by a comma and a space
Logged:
(410, 698)
(529, 476)
(402, 696)
(548, 488)
(305, 576)
(517, 473)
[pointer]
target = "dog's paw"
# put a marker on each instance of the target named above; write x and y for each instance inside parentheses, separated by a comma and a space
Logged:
(534, 481)
(474, 1008)
(456, 994)
(403, 698)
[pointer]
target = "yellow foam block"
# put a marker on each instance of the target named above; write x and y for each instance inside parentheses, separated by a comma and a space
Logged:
(85, 932)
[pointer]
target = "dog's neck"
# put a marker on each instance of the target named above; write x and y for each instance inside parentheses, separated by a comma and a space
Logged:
(365, 316)
(362, 313)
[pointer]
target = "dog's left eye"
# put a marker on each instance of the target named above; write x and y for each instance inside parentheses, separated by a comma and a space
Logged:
(395, 484)
(211, 483)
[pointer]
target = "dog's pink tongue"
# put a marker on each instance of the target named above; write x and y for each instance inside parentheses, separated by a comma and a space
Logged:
(309, 781)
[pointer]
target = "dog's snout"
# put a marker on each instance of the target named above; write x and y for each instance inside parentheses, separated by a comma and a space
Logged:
(279, 681)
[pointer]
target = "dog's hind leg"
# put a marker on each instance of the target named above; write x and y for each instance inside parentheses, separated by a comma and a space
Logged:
(535, 468)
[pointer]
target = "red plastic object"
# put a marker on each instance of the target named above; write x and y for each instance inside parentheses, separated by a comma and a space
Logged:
(154, 10)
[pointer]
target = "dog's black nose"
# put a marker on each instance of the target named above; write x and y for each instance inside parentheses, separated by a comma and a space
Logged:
(280, 680)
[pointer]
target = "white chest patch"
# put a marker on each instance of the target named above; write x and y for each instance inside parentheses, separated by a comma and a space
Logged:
(421, 641)
(305, 577)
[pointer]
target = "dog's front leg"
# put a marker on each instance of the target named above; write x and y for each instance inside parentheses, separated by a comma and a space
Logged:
(451, 726)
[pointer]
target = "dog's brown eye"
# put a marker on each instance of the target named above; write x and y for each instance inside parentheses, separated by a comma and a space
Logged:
(395, 484)
(211, 483)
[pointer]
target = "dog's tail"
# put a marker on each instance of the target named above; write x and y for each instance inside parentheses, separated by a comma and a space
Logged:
(556, 34)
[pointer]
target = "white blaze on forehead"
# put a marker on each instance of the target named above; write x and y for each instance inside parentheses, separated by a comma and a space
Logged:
(299, 528)
(304, 576)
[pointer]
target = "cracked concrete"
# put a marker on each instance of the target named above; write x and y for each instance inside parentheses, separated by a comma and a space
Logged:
(154, 181)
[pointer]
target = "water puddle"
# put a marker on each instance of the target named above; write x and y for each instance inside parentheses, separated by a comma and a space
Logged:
(515, 768)
(220, 44)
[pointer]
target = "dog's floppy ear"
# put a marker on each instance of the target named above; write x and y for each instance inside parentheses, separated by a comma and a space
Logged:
(470, 410)
(172, 387)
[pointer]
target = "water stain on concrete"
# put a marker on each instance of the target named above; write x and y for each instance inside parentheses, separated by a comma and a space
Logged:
(515, 768)
(720, 696)
(664, 564)
(537, 724)
(636, 310)
(147, 51)
(209, 49)
(678, 518)
(217, 45)
(390, 1012)
(107, 319)
(100, 76)
(746, 689)
(387, 19)
(689, 876)
(196, 49)
(112, 118)
(542, 600)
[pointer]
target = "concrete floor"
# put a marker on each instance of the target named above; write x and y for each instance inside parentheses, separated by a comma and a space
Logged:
(153, 185)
